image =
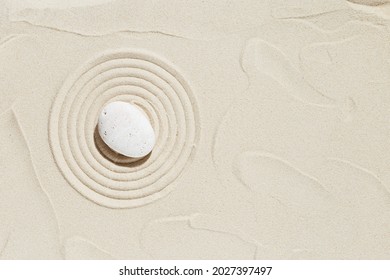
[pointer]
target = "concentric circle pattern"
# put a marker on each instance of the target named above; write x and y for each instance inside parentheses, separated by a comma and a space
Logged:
(147, 81)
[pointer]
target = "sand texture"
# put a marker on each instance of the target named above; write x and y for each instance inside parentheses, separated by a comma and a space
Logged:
(271, 118)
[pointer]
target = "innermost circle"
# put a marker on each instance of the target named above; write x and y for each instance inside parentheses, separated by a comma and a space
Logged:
(126, 129)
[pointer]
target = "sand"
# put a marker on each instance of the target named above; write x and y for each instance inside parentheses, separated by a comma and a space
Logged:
(272, 122)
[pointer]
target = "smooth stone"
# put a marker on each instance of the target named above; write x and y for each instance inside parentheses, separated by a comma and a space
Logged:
(126, 129)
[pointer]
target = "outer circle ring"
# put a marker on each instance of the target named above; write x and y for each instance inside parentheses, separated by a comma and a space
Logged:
(134, 76)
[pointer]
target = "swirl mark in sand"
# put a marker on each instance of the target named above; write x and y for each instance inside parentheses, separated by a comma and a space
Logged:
(144, 80)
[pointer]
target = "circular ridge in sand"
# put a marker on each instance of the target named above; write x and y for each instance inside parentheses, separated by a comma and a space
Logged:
(140, 78)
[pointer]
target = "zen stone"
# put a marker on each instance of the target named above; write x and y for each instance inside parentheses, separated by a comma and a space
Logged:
(126, 129)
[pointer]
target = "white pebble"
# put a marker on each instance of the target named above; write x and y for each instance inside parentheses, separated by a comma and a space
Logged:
(126, 129)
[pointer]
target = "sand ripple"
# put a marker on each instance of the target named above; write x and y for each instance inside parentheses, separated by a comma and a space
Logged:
(147, 81)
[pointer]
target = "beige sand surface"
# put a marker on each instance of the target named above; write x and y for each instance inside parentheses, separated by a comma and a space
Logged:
(272, 121)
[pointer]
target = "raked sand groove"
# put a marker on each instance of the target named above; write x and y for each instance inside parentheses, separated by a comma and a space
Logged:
(147, 81)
